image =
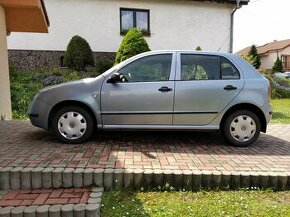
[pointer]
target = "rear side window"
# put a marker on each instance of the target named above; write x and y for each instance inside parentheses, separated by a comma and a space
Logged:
(228, 70)
(199, 67)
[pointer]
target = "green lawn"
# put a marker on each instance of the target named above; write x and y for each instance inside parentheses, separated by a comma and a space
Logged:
(281, 111)
(220, 203)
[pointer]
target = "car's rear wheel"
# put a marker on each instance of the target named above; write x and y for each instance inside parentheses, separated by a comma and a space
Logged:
(241, 128)
(72, 124)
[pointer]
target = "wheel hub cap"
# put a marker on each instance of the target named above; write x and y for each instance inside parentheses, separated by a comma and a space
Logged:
(243, 128)
(72, 125)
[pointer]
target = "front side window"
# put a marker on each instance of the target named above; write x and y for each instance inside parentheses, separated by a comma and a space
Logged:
(137, 18)
(199, 67)
(148, 69)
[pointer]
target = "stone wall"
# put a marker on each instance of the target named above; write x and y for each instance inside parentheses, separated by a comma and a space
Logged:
(23, 60)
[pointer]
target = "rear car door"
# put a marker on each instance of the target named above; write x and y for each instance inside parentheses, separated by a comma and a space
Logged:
(146, 97)
(205, 85)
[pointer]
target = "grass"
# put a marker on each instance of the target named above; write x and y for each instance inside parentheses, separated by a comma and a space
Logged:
(214, 203)
(281, 111)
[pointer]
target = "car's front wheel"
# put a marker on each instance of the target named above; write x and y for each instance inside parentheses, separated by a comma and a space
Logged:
(72, 124)
(241, 128)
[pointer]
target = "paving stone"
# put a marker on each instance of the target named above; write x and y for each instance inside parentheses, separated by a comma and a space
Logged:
(30, 211)
(55, 211)
(178, 179)
(97, 189)
(5, 212)
(158, 178)
(138, 178)
(148, 178)
(88, 177)
(15, 178)
(67, 210)
(67, 177)
(96, 194)
(94, 200)
(80, 210)
(17, 211)
(226, 180)
(92, 210)
(78, 177)
(128, 178)
(57, 174)
(108, 178)
(118, 178)
(146, 150)
(196, 179)
(42, 211)
(4, 178)
(187, 180)
(25, 176)
(47, 177)
(99, 177)
(36, 177)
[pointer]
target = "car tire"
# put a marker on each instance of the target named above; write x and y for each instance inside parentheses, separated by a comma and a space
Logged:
(72, 125)
(241, 128)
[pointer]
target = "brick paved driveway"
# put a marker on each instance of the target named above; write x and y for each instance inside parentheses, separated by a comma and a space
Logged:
(23, 145)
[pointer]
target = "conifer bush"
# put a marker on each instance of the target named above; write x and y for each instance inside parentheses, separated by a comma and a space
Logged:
(78, 54)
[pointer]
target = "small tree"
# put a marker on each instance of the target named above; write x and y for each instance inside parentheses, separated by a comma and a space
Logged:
(78, 54)
(132, 44)
(198, 48)
(256, 59)
(249, 59)
(278, 66)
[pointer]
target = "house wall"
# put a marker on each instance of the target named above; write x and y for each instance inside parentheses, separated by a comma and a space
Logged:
(5, 100)
(175, 24)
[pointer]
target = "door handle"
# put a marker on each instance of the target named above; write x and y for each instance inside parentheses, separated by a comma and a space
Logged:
(165, 89)
(230, 87)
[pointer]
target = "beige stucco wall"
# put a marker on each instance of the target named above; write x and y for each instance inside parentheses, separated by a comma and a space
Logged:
(269, 60)
(175, 24)
(5, 101)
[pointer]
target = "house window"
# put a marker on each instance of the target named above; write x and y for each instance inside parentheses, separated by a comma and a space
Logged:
(138, 18)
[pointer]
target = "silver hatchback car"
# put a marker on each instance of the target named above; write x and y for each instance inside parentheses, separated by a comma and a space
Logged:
(160, 90)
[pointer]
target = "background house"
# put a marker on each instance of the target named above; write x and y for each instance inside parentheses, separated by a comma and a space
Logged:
(269, 53)
(167, 24)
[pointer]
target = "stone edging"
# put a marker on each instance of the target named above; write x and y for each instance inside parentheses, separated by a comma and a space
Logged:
(36, 178)
(91, 209)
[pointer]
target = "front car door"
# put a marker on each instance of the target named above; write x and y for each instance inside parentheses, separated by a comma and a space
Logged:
(205, 85)
(146, 97)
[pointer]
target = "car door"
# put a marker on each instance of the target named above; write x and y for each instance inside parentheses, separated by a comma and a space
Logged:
(146, 97)
(205, 85)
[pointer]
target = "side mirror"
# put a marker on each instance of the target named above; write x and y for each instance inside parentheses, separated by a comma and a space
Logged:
(115, 78)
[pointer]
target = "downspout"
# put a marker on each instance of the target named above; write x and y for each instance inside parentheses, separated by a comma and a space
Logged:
(238, 6)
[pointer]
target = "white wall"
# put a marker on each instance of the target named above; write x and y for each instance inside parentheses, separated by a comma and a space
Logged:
(174, 25)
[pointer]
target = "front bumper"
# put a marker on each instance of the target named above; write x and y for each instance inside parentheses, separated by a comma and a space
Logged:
(38, 113)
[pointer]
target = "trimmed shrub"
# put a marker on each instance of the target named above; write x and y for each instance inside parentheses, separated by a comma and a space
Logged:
(104, 65)
(198, 48)
(78, 54)
(280, 87)
(278, 66)
(132, 44)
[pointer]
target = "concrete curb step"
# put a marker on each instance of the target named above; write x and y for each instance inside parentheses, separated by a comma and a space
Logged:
(90, 209)
(36, 178)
